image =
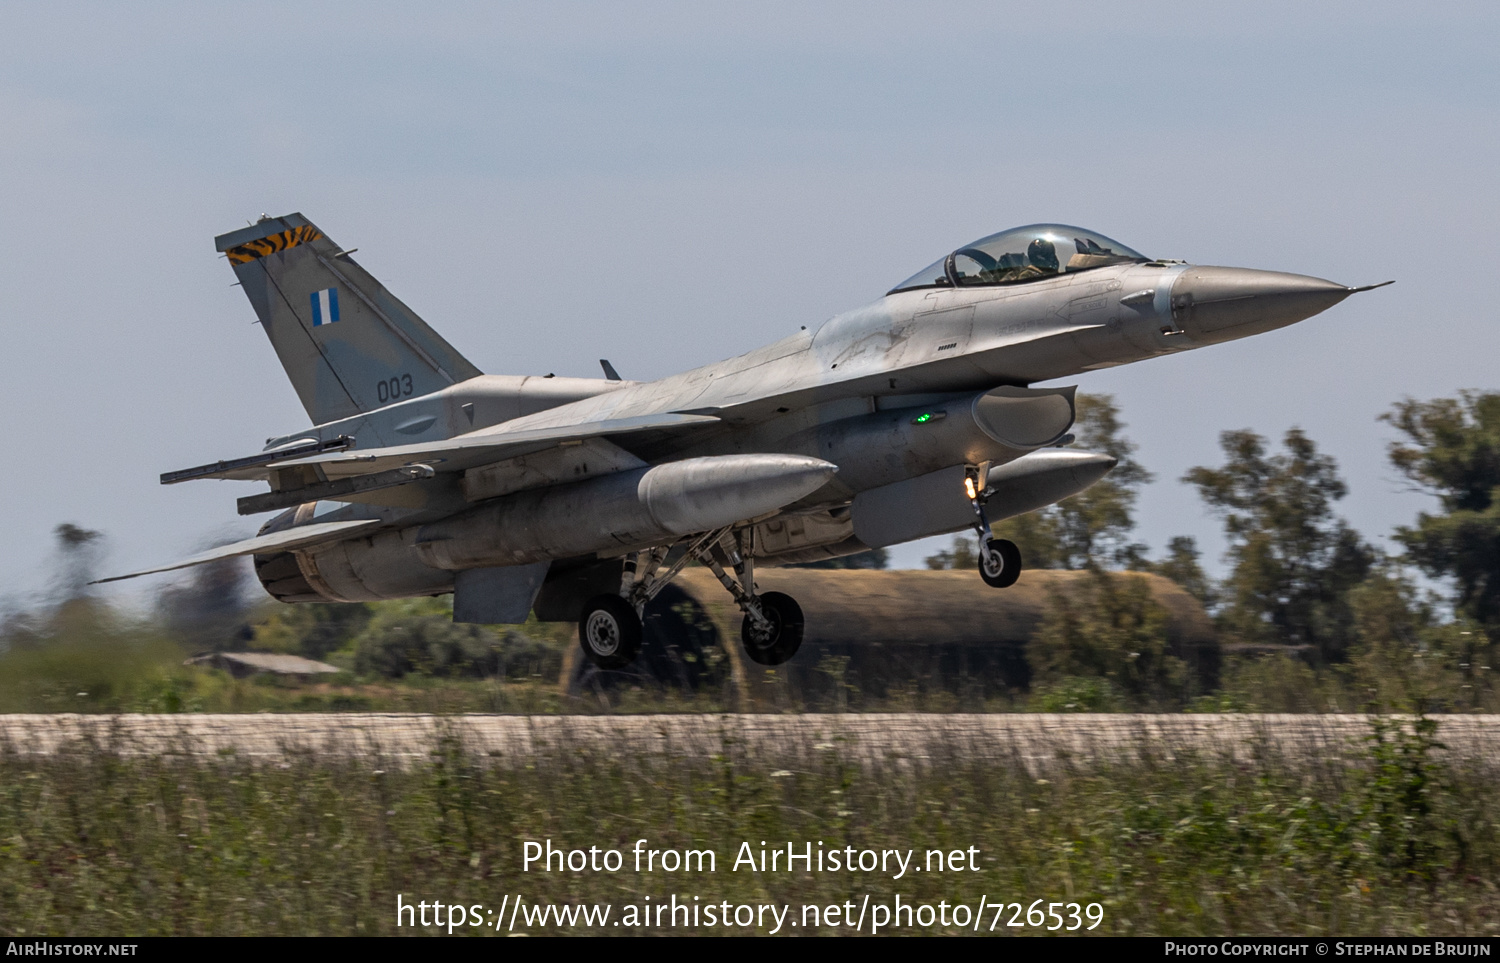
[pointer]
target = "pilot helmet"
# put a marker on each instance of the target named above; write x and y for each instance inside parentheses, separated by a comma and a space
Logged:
(1042, 254)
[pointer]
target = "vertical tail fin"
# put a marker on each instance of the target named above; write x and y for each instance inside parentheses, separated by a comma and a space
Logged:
(347, 344)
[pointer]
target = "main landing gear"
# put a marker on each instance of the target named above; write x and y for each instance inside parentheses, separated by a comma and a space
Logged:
(609, 627)
(610, 631)
(999, 558)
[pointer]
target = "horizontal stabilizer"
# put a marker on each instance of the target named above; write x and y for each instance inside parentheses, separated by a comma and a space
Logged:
(299, 537)
(237, 468)
(453, 454)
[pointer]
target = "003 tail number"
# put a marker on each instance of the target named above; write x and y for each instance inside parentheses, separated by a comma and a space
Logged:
(398, 387)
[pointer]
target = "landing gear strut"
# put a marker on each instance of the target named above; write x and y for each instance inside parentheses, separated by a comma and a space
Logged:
(999, 558)
(771, 631)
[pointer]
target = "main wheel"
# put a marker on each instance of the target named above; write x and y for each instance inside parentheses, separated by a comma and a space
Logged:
(1000, 563)
(780, 642)
(609, 631)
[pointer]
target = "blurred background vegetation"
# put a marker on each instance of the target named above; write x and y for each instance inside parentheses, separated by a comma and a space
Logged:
(1309, 616)
(1385, 836)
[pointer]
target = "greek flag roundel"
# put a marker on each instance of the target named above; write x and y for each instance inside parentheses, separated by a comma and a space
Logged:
(325, 306)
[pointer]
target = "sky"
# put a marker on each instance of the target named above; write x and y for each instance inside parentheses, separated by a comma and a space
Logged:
(669, 184)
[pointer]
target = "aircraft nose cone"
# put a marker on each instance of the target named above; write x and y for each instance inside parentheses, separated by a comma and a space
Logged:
(1223, 303)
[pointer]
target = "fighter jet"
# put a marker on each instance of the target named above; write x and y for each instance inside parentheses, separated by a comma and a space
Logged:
(580, 499)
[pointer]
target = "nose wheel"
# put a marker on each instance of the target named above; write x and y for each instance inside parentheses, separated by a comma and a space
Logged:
(1000, 563)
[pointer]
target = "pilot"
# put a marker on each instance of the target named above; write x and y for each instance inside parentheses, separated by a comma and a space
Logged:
(1042, 255)
(1041, 261)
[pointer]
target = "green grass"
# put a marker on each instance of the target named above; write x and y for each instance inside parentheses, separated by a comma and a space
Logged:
(1385, 839)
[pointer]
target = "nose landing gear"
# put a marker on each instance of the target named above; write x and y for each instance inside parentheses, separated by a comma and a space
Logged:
(999, 558)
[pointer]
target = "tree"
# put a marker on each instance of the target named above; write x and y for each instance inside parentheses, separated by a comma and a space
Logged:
(405, 638)
(1115, 630)
(1294, 561)
(79, 549)
(1408, 659)
(875, 558)
(312, 629)
(1181, 566)
(78, 612)
(1452, 452)
(207, 610)
(961, 556)
(1094, 526)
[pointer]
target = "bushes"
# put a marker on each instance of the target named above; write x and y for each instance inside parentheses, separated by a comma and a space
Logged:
(1116, 634)
(398, 642)
(97, 667)
(312, 629)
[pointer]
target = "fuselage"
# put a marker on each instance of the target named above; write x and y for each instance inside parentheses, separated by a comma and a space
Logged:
(905, 350)
(906, 397)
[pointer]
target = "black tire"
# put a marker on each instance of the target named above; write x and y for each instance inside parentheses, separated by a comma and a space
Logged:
(1000, 563)
(785, 637)
(609, 631)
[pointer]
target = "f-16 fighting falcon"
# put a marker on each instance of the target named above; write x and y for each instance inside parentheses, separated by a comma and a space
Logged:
(580, 499)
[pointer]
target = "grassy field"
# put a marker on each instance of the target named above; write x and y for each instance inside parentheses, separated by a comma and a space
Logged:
(1385, 838)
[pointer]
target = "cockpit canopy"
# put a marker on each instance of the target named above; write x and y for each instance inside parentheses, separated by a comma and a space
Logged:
(1022, 254)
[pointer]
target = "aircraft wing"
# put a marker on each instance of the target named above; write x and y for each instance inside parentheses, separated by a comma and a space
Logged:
(299, 537)
(452, 454)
